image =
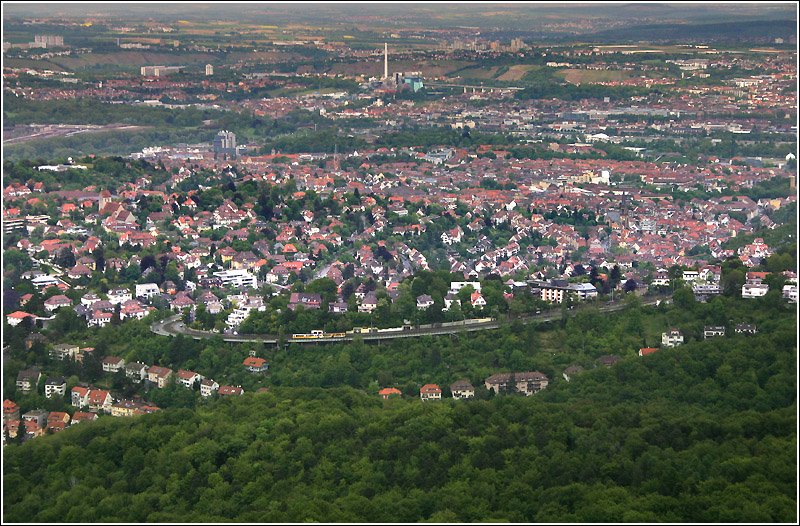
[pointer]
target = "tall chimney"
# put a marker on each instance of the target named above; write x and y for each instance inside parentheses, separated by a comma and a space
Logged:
(385, 60)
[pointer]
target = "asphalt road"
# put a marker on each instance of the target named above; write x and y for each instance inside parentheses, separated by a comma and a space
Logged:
(173, 326)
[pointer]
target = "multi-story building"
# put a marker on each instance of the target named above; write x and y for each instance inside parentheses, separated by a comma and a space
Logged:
(48, 41)
(238, 279)
(55, 386)
(225, 144)
(673, 338)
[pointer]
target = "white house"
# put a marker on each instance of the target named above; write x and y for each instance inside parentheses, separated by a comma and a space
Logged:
(673, 338)
(754, 290)
(237, 279)
(117, 296)
(147, 290)
(455, 286)
(207, 387)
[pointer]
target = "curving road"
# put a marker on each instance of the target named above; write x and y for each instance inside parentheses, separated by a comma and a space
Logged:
(173, 326)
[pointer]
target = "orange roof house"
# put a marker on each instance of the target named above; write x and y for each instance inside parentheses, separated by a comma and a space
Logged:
(387, 392)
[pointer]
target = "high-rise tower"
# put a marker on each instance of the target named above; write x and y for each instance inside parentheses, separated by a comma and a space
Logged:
(385, 61)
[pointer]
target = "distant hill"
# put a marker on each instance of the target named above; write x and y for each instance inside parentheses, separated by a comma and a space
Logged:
(757, 30)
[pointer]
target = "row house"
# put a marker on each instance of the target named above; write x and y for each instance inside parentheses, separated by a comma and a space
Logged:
(524, 382)
(306, 300)
(94, 399)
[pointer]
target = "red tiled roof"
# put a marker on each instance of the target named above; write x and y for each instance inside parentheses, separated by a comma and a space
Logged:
(251, 361)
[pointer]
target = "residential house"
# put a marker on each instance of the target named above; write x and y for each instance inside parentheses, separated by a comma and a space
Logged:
(118, 296)
(451, 299)
(337, 307)
(79, 397)
(159, 375)
(745, 328)
(228, 390)
(529, 382)
(388, 392)
(790, 293)
(15, 318)
(712, 331)
(28, 379)
(56, 302)
(113, 364)
(207, 387)
(37, 415)
(424, 302)
(57, 421)
(462, 389)
(430, 392)
(136, 371)
(255, 365)
(369, 303)
(181, 301)
(672, 338)
(305, 300)
(10, 410)
(32, 429)
(100, 400)
(55, 386)
(188, 378)
(62, 351)
(477, 301)
(99, 318)
(608, 360)
(147, 290)
(754, 290)
(83, 416)
(644, 351)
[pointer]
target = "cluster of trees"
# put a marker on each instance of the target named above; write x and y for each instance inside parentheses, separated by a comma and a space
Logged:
(90, 111)
(567, 91)
(103, 172)
(605, 151)
(429, 137)
(701, 433)
(106, 143)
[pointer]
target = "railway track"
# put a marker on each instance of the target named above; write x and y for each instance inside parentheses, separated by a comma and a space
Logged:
(174, 326)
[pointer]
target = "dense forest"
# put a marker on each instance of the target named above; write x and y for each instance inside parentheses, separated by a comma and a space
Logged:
(705, 432)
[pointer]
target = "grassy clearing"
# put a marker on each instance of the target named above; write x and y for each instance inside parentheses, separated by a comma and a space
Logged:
(588, 76)
(517, 72)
